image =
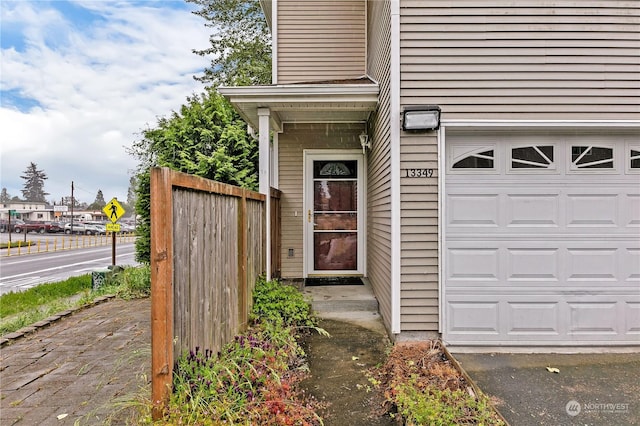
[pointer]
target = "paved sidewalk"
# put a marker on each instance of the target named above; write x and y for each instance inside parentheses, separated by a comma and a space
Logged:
(79, 368)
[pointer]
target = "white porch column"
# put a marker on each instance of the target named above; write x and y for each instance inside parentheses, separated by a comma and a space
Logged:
(264, 177)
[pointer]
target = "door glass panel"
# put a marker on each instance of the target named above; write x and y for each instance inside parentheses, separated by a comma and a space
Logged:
(335, 251)
(335, 215)
(336, 221)
(481, 160)
(335, 169)
(635, 159)
(591, 157)
(532, 157)
(334, 195)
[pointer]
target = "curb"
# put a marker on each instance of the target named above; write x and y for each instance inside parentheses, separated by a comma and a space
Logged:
(7, 339)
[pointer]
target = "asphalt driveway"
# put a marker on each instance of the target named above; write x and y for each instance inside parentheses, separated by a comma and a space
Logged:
(589, 389)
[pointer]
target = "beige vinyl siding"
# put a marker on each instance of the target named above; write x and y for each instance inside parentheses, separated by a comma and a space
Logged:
(522, 60)
(320, 40)
(378, 160)
(513, 60)
(291, 143)
(419, 241)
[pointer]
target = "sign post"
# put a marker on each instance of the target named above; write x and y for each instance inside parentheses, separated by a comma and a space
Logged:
(114, 211)
(11, 213)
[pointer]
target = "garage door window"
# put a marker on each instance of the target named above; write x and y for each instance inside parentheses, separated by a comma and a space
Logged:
(591, 157)
(477, 160)
(532, 157)
(634, 160)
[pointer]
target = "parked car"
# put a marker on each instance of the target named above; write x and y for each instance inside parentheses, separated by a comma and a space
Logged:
(78, 228)
(124, 227)
(54, 227)
(93, 229)
(4, 225)
(32, 226)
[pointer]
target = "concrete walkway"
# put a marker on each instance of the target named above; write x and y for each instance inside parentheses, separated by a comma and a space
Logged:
(79, 370)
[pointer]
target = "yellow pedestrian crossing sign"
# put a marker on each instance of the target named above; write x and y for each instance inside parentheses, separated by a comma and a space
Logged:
(113, 210)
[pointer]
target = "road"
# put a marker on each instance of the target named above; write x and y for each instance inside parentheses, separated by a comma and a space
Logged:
(18, 273)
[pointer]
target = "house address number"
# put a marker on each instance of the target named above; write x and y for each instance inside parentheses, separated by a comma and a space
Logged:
(419, 173)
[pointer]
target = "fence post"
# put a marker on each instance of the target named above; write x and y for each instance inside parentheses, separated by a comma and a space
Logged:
(243, 285)
(161, 289)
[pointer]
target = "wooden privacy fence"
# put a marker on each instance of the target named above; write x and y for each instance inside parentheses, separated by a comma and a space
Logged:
(207, 251)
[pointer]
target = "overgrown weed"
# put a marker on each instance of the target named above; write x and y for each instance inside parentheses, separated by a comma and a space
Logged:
(252, 380)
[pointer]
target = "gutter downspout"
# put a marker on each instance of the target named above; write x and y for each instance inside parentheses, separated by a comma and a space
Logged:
(394, 89)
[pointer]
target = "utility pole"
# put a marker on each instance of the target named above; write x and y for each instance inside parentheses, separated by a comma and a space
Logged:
(71, 207)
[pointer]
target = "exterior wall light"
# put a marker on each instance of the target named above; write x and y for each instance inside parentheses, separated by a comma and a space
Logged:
(421, 118)
(364, 141)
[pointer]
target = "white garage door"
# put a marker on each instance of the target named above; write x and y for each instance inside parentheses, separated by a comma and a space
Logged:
(542, 239)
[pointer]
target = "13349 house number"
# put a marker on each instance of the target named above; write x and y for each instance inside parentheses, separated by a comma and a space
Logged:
(419, 173)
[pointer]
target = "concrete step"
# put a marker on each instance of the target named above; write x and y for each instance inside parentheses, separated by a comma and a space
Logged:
(342, 298)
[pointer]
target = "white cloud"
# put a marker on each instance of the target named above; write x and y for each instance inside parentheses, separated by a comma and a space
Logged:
(95, 89)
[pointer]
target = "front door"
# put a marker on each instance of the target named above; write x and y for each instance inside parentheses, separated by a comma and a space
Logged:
(333, 208)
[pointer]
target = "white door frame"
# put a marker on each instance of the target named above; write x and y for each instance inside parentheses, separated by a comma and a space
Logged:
(331, 154)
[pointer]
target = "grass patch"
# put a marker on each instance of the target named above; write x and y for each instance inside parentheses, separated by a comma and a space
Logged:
(22, 309)
(128, 283)
(14, 244)
(13, 303)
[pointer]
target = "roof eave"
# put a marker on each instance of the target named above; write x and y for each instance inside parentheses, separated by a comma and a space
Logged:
(297, 90)
(294, 103)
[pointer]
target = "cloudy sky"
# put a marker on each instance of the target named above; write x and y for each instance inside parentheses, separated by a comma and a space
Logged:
(80, 79)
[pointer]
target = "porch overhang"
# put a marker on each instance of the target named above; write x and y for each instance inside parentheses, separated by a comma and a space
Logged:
(305, 103)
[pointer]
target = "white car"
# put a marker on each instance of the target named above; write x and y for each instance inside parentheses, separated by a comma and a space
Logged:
(78, 228)
(92, 229)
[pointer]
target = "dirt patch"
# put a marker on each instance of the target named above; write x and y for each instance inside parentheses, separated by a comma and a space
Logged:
(426, 362)
(339, 366)
(345, 366)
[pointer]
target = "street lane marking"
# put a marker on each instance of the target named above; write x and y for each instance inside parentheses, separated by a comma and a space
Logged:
(61, 267)
(17, 262)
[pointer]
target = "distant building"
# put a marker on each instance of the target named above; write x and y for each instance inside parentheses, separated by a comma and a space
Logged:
(44, 212)
(27, 210)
